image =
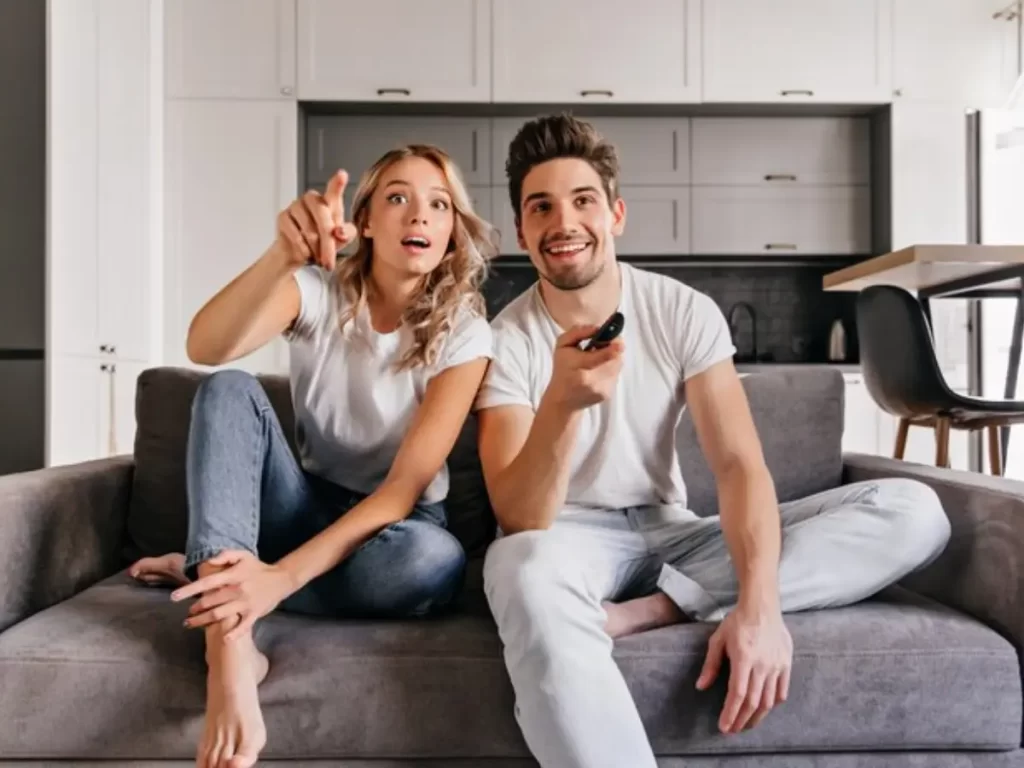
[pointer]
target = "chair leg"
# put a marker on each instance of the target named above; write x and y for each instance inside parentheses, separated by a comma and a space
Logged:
(942, 441)
(995, 450)
(901, 438)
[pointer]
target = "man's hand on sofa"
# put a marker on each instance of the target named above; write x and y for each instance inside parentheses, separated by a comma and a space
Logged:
(247, 587)
(760, 652)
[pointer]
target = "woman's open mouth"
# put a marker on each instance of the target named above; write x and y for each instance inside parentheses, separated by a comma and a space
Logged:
(415, 244)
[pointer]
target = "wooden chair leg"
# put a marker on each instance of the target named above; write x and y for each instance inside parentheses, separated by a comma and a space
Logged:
(901, 438)
(995, 450)
(942, 441)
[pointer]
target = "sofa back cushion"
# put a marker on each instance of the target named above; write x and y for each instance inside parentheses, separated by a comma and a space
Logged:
(798, 415)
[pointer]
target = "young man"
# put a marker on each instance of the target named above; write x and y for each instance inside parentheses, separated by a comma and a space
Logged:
(578, 452)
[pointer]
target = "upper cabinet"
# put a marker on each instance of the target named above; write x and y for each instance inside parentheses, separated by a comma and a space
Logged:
(592, 51)
(239, 49)
(953, 51)
(432, 51)
(821, 51)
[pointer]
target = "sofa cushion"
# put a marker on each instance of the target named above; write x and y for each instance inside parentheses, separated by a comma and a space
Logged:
(111, 673)
(798, 413)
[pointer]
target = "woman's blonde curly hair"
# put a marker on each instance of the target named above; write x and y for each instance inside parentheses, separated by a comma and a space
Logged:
(453, 285)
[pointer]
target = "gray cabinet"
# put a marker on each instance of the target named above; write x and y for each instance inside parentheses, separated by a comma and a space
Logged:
(657, 221)
(355, 142)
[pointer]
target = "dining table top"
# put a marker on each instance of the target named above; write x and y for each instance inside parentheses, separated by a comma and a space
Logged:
(926, 267)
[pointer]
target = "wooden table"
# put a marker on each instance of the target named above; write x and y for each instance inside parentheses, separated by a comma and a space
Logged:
(949, 271)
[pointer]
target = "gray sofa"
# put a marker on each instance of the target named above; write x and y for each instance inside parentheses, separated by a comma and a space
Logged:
(94, 667)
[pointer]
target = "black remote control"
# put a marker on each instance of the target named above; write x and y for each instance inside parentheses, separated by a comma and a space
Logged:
(606, 333)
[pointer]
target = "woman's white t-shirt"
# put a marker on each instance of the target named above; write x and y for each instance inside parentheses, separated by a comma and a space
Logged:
(352, 408)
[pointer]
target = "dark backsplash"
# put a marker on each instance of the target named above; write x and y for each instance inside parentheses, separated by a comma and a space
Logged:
(794, 315)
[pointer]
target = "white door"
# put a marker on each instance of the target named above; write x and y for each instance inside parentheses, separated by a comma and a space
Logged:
(231, 168)
(241, 49)
(797, 51)
(394, 50)
(75, 410)
(953, 51)
(594, 51)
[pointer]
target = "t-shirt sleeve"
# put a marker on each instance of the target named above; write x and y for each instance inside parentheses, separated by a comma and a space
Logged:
(314, 302)
(507, 381)
(470, 339)
(705, 336)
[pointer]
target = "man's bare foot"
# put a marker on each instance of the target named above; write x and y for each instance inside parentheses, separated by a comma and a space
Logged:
(641, 615)
(234, 733)
(166, 569)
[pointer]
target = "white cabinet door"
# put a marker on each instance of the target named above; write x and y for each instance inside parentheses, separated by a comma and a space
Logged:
(123, 379)
(231, 168)
(128, 152)
(239, 49)
(429, 52)
(356, 142)
(953, 51)
(657, 221)
(651, 150)
(779, 151)
(862, 418)
(836, 51)
(77, 386)
(806, 221)
(573, 51)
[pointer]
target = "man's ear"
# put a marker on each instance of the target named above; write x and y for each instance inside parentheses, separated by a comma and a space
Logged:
(619, 216)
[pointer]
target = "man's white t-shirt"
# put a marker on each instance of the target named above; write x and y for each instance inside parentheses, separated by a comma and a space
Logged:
(352, 408)
(625, 453)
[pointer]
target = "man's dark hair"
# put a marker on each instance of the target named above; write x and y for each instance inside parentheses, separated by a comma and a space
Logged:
(556, 136)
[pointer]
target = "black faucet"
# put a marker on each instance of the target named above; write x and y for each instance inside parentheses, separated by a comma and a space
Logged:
(733, 311)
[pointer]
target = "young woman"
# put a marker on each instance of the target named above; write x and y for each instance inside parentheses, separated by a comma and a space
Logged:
(388, 348)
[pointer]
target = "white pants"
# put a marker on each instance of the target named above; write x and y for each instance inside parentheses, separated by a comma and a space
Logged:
(545, 589)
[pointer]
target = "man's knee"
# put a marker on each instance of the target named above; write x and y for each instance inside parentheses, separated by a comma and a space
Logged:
(921, 527)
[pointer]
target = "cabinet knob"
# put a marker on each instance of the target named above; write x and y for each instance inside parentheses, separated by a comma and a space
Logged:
(104, 367)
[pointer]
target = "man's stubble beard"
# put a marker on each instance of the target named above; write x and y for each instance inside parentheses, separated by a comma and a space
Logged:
(575, 281)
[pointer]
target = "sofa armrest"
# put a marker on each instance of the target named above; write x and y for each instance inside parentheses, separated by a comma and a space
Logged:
(61, 530)
(981, 571)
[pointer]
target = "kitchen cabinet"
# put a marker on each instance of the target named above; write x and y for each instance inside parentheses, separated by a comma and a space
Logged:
(591, 51)
(224, 190)
(92, 413)
(954, 51)
(797, 51)
(103, 139)
(796, 221)
(503, 219)
(356, 142)
(231, 49)
(657, 221)
(432, 51)
(651, 150)
(781, 151)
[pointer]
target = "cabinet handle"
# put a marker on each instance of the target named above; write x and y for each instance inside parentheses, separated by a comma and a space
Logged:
(399, 91)
(780, 177)
(609, 94)
(780, 246)
(796, 93)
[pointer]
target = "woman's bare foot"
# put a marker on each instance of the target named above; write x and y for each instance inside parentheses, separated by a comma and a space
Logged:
(234, 733)
(166, 569)
(641, 615)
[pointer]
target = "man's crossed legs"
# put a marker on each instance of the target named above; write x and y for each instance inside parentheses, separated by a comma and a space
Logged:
(547, 591)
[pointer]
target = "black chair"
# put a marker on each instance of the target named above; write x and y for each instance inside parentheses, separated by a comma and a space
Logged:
(902, 374)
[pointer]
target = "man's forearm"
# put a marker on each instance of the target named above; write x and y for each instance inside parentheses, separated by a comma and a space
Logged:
(532, 489)
(390, 503)
(750, 524)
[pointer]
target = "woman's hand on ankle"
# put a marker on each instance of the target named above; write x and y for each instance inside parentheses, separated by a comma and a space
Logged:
(246, 588)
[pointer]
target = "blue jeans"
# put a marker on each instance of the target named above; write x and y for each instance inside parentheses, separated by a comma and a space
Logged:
(246, 491)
